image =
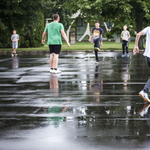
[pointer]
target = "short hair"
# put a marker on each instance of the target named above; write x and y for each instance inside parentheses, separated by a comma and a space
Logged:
(55, 16)
(125, 25)
(96, 21)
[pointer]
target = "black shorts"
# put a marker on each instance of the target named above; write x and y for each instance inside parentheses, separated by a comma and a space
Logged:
(54, 49)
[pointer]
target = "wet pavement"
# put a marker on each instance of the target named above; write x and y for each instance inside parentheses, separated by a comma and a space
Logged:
(88, 106)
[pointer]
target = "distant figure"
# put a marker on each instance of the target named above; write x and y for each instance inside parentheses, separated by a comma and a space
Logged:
(98, 85)
(54, 111)
(15, 63)
(125, 35)
(14, 39)
(54, 31)
(97, 38)
(146, 90)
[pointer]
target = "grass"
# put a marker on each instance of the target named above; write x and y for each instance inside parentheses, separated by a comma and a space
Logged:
(88, 46)
(78, 46)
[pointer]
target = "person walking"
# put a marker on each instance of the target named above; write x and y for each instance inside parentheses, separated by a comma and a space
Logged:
(146, 89)
(97, 38)
(54, 31)
(125, 35)
(14, 39)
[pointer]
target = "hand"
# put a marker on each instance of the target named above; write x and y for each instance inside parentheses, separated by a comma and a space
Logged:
(68, 44)
(89, 39)
(135, 50)
(43, 41)
(101, 43)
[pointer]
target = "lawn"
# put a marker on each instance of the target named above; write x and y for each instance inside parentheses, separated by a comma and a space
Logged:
(89, 46)
(78, 46)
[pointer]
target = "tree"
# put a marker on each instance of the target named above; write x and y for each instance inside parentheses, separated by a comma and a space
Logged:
(134, 13)
(57, 7)
(26, 17)
(18, 13)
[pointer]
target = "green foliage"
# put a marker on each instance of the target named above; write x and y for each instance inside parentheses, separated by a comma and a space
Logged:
(32, 33)
(57, 7)
(134, 13)
(109, 35)
(26, 17)
(90, 10)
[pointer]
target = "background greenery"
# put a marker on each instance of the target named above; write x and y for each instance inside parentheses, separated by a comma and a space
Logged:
(134, 13)
(28, 17)
(78, 46)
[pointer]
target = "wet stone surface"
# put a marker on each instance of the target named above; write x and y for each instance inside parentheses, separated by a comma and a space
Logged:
(87, 106)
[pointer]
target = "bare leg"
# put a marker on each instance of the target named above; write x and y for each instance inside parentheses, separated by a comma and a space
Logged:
(56, 60)
(52, 60)
(14, 50)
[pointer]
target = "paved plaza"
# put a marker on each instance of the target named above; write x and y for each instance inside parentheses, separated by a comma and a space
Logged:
(86, 107)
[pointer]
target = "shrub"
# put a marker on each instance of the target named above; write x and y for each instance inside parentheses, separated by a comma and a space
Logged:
(29, 36)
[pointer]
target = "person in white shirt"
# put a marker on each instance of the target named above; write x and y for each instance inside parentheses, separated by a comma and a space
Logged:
(144, 92)
(14, 39)
(125, 35)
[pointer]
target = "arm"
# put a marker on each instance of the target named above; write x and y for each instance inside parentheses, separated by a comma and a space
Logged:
(90, 37)
(136, 48)
(63, 109)
(12, 38)
(129, 36)
(65, 37)
(18, 38)
(101, 39)
(122, 36)
(43, 37)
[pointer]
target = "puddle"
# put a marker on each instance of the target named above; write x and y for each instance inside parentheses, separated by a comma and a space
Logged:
(87, 106)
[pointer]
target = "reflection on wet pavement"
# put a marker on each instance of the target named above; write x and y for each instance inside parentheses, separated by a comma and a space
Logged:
(88, 106)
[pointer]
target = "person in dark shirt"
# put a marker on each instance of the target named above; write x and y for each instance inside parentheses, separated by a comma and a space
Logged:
(97, 38)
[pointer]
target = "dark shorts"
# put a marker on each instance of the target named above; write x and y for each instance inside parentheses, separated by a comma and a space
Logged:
(54, 49)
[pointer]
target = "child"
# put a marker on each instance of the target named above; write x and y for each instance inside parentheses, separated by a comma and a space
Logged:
(14, 39)
(125, 35)
(97, 38)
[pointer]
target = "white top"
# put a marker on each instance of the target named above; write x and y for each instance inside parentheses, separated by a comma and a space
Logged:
(15, 37)
(125, 35)
(147, 47)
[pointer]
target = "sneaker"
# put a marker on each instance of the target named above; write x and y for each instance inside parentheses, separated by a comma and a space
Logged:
(56, 71)
(127, 55)
(96, 48)
(122, 55)
(96, 62)
(51, 71)
(16, 54)
(144, 110)
(144, 96)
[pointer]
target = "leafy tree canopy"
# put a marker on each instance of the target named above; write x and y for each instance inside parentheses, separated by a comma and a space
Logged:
(134, 13)
(27, 17)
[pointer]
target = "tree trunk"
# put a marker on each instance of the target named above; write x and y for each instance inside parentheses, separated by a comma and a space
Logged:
(139, 22)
